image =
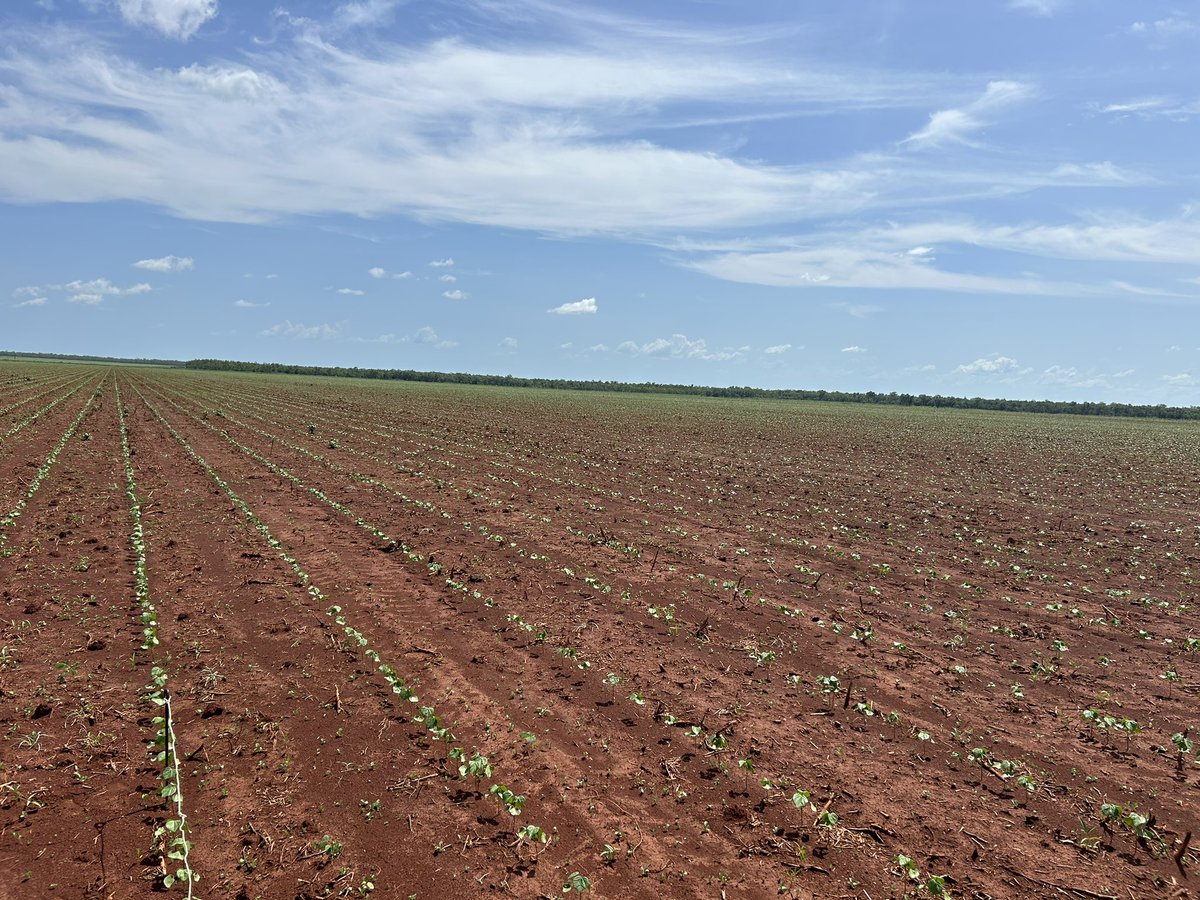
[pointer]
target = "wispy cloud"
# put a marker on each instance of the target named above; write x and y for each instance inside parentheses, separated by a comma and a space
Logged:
(351, 292)
(955, 125)
(859, 310)
(1040, 7)
(248, 304)
(455, 294)
(300, 331)
(854, 349)
(575, 308)
(178, 19)
(442, 263)
(428, 335)
(1167, 28)
(444, 130)
(680, 346)
(1181, 379)
(32, 301)
(777, 349)
(377, 272)
(166, 264)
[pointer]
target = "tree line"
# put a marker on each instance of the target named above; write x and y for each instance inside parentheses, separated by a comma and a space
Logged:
(1131, 410)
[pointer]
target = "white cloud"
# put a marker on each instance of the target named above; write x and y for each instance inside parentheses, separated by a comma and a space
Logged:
(920, 251)
(679, 346)
(428, 335)
(992, 365)
(1096, 173)
(1039, 7)
(598, 348)
(442, 263)
(28, 291)
(860, 263)
(444, 130)
(179, 19)
(376, 272)
(1174, 26)
(858, 310)
(166, 264)
(248, 304)
(363, 13)
(449, 279)
(455, 294)
(778, 348)
(508, 343)
(32, 301)
(300, 331)
(89, 292)
(575, 308)
(351, 292)
(949, 126)
(854, 349)
(1183, 379)
(879, 257)
(402, 275)
(1153, 108)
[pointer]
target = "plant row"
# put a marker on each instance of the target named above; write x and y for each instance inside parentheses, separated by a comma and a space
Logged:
(475, 765)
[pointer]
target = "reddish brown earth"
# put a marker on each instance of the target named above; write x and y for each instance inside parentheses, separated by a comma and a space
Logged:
(634, 607)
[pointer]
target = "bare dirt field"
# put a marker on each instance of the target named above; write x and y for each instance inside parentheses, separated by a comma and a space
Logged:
(310, 638)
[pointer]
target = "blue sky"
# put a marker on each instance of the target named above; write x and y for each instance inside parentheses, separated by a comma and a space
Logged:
(987, 198)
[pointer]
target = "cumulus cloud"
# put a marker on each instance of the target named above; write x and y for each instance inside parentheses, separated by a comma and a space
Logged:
(778, 348)
(104, 287)
(508, 343)
(449, 279)
(442, 263)
(952, 126)
(351, 292)
(178, 19)
(680, 346)
(430, 337)
(32, 301)
(300, 331)
(575, 308)
(455, 294)
(377, 272)
(166, 264)
(88, 292)
(992, 365)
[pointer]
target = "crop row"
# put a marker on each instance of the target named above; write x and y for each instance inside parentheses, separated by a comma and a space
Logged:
(474, 765)
(172, 836)
(44, 469)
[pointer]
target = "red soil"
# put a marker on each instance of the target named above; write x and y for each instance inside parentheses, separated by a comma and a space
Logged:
(626, 604)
